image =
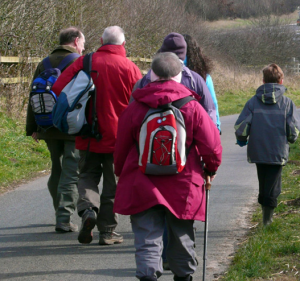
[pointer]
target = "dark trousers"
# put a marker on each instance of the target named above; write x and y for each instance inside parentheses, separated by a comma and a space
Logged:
(91, 168)
(62, 183)
(269, 178)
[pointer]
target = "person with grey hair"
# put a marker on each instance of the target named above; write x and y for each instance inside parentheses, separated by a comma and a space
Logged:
(62, 183)
(114, 77)
(166, 65)
(113, 35)
(151, 199)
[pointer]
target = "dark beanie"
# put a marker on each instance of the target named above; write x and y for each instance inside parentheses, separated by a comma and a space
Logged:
(175, 43)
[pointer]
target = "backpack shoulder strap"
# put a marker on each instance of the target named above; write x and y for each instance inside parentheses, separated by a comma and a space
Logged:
(181, 102)
(46, 63)
(87, 63)
(66, 60)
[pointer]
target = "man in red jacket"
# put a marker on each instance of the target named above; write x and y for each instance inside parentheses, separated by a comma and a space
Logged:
(114, 77)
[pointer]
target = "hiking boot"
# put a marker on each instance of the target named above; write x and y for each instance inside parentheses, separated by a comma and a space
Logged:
(166, 266)
(110, 238)
(88, 222)
(267, 215)
(66, 227)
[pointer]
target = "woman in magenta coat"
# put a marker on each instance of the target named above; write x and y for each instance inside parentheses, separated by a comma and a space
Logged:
(179, 198)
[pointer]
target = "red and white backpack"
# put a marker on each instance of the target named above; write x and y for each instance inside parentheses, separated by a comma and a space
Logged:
(162, 141)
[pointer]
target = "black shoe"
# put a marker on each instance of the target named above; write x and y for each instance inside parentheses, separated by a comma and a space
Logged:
(66, 227)
(186, 278)
(88, 223)
(110, 238)
(148, 278)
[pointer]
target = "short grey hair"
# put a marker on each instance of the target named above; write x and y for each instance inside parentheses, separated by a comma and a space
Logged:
(113, 35)
(166, 65)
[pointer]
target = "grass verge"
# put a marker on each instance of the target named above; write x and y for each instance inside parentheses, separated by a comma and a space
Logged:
(20, 157)
(273, 252)
(242, 23)
(232, 102)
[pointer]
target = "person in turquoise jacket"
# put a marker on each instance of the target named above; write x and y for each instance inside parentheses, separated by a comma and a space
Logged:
(201, 64)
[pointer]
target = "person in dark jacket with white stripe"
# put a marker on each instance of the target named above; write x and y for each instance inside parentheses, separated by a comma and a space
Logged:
(267, 124)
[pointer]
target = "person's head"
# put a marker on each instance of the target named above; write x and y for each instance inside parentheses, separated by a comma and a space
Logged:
(166, 66)
(174, 43)
(196, 61)
(113, 35)
(273, 74)
(72, 36)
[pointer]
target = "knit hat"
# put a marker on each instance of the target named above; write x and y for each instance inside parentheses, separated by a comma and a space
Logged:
(175, 43)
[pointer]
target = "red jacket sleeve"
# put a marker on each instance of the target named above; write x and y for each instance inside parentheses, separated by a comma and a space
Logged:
(67, 75)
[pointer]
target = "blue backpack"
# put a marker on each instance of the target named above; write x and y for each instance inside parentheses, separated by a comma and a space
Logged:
(42, 98)
(69, 112)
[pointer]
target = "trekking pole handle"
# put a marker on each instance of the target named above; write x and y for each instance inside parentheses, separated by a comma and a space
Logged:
(207, 182)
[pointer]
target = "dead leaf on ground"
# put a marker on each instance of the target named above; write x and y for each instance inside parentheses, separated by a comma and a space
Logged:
(294, 202)
(295, 162)
(296, 172)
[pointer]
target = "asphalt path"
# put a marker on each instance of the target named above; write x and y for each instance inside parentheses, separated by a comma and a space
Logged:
(30, 249)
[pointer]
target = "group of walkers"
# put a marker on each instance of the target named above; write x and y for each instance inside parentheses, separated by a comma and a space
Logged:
(159, 204)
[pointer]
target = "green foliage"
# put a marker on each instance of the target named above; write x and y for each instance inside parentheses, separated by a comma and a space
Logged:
(20, 157)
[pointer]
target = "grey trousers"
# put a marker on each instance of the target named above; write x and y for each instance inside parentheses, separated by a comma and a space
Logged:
(91, 167)
(62, 183)
(148, 227)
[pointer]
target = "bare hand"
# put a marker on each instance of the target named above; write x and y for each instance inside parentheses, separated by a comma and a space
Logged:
(213, 177)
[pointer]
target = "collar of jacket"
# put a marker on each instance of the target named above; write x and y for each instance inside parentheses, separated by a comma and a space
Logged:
(162, 92)
(113, 49)
(64, 47)
(187, 73)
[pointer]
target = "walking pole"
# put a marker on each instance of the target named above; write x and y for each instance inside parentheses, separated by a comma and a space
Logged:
(207, 188)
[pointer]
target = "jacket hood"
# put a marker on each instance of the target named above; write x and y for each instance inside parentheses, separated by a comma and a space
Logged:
(270, 93)
(162, 92)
